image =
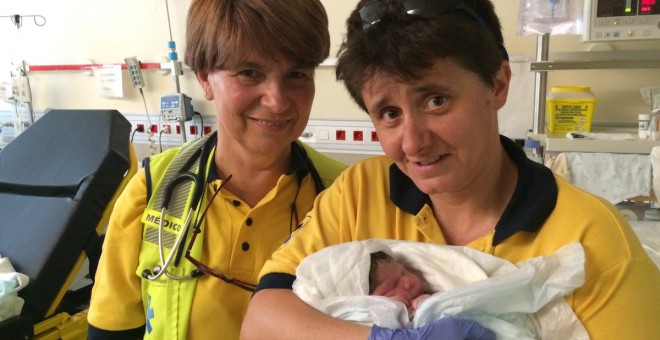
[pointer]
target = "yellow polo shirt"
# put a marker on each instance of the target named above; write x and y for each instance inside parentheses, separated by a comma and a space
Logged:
(373, 199)
(238, 240)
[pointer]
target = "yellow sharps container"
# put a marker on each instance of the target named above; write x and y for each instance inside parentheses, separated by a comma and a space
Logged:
(570, 108)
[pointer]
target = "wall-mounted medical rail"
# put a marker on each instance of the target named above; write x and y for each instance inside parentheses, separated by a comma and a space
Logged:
(89, 67)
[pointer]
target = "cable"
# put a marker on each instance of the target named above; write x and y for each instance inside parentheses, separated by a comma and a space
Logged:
(150, 134)
(19, 124)
(201, 119)
(138, 129)
(160, 138)
(166, 129)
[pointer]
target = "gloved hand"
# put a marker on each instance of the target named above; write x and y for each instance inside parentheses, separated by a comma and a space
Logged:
(441, 329)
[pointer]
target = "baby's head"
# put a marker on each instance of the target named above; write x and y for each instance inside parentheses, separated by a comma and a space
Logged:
(388, 277)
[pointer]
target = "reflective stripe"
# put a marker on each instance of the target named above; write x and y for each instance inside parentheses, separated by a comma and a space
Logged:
(177, 206)
(151, 235)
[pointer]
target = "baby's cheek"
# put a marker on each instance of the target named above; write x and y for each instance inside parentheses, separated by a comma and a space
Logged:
(384, 288)
(391, 293)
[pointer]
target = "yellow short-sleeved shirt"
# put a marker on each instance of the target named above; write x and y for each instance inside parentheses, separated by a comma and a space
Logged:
(238, 240)
(373, 199)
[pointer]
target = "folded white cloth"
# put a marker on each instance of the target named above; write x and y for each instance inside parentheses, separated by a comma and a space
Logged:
(559, 165)
(600, 135)
(615, 177)
(10, 283)
(655, 165)
(522, 301)
(648, 233)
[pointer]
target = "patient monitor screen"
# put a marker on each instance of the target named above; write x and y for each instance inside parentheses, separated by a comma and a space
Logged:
(648, 7)
(620, 20)
(621, 8)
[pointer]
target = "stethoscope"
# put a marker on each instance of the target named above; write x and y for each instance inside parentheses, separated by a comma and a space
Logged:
(198, 180)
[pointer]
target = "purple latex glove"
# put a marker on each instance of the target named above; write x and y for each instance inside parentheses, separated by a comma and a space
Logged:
(441, 329)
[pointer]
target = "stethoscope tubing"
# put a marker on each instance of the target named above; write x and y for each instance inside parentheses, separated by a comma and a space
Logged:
(196, 179)
(164, 264)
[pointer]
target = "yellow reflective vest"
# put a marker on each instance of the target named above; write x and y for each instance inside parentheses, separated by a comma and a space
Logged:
(171, 297)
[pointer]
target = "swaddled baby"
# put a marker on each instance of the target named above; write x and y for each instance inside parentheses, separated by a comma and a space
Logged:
(516, 301)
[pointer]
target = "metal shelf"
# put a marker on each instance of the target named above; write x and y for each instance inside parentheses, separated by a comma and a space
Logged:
(557, 145)
(592, 60)
(599, 60)
(542, 66)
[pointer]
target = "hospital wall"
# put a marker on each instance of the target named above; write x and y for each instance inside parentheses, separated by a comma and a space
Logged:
(94, 31)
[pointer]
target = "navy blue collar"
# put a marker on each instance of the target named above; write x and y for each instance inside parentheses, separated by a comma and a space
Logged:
(533, 200)
(298, 164)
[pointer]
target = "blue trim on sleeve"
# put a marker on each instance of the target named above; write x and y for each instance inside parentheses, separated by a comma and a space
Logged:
(94, 333)
(276, 281)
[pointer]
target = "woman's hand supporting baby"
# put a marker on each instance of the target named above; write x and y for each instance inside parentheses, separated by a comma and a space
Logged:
(444, 329)
(416, 302)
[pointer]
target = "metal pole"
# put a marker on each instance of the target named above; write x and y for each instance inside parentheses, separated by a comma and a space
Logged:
(175, 65)
(541, 84)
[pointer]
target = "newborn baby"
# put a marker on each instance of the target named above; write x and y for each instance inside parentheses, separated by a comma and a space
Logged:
(391, 278)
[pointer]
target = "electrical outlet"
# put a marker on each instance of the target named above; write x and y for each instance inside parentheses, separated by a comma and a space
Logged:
(172, 132)
(308, 136)
(359, 135)
(342, 136)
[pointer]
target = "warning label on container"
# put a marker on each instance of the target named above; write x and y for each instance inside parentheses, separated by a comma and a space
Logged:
(567, 117)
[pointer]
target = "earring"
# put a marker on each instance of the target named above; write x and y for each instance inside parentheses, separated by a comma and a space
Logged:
(204, 93)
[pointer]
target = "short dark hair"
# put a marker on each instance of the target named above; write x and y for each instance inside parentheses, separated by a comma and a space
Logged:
(406, 45)
(376, 259)
(222, 32)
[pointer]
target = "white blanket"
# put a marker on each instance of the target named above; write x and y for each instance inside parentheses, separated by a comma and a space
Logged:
(615, 177)
(10, 283)
(522, 301)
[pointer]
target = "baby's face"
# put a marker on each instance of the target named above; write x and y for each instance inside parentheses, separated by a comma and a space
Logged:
(395, 281)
